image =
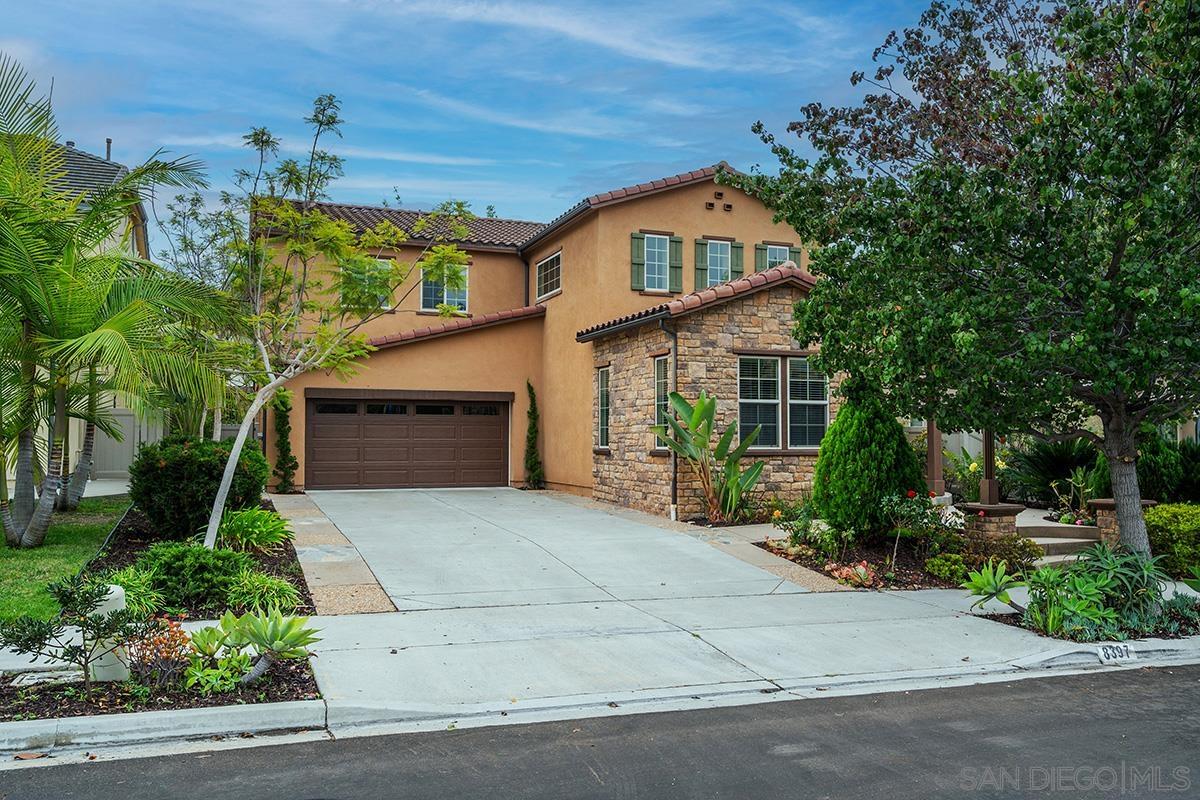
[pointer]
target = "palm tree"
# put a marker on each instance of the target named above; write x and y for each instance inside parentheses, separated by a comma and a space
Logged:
(74, 302)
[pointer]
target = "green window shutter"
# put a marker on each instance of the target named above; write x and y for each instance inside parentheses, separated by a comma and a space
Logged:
(637, 249)
(760, 257)
(735, 261)
(794, 254)
(701, 264)
(676, 264)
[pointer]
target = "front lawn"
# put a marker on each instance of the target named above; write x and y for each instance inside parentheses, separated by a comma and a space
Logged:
(74, 537)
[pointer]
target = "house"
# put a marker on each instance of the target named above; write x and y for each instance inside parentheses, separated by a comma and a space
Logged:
(674, 284)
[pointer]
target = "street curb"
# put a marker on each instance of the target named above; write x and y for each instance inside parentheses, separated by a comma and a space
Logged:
(1146, 652)
(156, 726)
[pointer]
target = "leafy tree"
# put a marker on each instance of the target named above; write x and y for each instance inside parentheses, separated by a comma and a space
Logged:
(535, 477)
(865, 459)
(308, 283)
(1006, 225)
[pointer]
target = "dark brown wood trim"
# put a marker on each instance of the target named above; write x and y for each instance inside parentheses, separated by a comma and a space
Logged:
(658, 452)
(665, 351)
(751, 351)
(602, 451)
(718, 238)
(657, 293)
(778, 244)
(656, 233)
(406, 394)
(776, 451)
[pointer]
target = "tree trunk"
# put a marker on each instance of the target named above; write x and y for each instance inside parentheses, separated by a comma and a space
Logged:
(35, 533)
(22, 505)
(216, 431)
(235, 453)
(12, 536)
(1120, 448)
(203, 419)
(83, 469)
(259, 669)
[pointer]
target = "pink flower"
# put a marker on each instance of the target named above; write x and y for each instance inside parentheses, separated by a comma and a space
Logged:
(981, 513)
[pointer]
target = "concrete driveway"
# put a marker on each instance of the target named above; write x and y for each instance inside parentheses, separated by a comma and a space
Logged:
(455, 548)
(521, 605)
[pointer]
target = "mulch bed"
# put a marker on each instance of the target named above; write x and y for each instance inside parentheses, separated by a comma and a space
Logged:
(134, 534)
(906, 573)
(289, 680)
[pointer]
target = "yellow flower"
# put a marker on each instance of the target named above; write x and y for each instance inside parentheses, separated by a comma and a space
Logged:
(777, 514)
(974, 467)
(1000, 464)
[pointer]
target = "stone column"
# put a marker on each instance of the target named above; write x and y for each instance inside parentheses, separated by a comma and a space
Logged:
(991, 519)
(1105, 509)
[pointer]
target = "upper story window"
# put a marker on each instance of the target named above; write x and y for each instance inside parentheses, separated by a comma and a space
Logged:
(777, 254)
(549, 275)
(602, 405)
(657, 255)
(662, 388)
(364, 282)
(434, 293)
(718, 262)
(758, 399)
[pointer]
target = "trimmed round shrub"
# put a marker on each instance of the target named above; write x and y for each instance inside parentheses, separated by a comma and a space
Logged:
(191, 575)
(865, 457)
(1174, 530)
(1159, 470)
(174, 482)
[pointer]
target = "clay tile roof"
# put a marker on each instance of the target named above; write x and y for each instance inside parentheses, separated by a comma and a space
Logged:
(458, 325)
(786, 273)
(490, 231)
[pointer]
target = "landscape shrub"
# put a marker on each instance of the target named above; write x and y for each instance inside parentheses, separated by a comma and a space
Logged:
(285, 461)
(1174, 530)
(1189, 459)
(174, 482)
(256, 529)
(947, 566)
(1159, 469)
(142, 598)
(252, 590)
(864, 458)
(1017, 551)
(1034, 466)
(191, 575)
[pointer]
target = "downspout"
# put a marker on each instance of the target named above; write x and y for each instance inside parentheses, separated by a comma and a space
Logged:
(674, 337)
(525, 261)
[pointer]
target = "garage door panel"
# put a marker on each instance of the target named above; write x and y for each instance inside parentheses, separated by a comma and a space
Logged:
(396, 444)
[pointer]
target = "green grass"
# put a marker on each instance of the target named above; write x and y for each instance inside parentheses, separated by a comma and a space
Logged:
(73, 539)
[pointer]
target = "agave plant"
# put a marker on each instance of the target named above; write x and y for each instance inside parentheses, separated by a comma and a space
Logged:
(275, 638)
(726, 486)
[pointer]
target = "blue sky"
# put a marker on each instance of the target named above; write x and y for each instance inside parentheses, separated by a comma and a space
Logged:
(527, 106)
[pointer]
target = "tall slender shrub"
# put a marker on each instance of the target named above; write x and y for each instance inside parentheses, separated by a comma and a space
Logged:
(285, 461)
(535, 477)
(864, 458)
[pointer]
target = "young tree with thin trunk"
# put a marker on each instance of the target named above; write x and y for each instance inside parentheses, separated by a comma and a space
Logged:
(309, 283)
(1006, 226)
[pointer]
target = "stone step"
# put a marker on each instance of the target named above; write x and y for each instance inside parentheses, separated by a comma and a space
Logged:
(1054, 561)
(1055, 530)
(1061, 545)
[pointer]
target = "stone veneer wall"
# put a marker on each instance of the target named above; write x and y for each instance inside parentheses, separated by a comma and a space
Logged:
(710, 343)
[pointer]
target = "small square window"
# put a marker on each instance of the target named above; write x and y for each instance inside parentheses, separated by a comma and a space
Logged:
(434, 293)
(777, 254)
(549, 275)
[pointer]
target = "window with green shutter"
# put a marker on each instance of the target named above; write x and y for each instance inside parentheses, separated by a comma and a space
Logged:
(735, 260)
(637, 249)
(655, 264)
(676, 264)
(701, 264)
(761, 257)
(794, 255)
(777, 254)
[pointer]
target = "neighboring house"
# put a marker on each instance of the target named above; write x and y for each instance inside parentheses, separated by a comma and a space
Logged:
(676, 283)
(83, 174)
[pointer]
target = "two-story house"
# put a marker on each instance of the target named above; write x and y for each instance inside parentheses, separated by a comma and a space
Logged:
(676, 284)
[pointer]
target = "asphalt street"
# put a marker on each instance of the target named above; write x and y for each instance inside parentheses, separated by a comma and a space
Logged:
(1114, 734)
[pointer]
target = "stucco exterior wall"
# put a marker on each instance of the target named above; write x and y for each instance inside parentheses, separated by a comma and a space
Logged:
(493, 359)
(709, 343)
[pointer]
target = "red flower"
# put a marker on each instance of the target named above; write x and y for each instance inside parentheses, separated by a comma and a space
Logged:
(911, 494)
(981, 513)
(932, 493)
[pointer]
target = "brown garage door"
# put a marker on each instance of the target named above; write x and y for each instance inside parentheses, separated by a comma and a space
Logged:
(386, 444)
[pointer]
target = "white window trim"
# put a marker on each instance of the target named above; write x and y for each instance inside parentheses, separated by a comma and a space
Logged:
(787, 253)
(778, 445)
(537, 268)
(466, 290)
(666, 277)
(603, 427)
(658, 445)
(823, 403)
(729, 260)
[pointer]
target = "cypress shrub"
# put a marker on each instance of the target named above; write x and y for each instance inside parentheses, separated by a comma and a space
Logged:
(175, 480)
(864, 458)
(285, 461)
(535, 477)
